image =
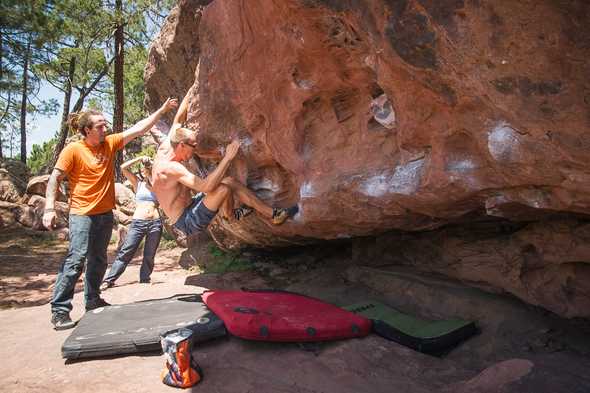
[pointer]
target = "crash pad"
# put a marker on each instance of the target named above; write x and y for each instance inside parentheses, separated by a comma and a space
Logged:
(136, 327)
(269, 315)
(432, 337)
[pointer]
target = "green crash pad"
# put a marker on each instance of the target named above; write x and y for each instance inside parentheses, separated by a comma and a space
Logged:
(432, 337)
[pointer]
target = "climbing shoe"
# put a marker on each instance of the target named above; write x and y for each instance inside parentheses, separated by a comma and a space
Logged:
(61, 320)
(242, 212)
(280, 215)
(96, 303)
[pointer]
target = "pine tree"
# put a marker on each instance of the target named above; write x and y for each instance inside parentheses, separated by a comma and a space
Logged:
(25, 26)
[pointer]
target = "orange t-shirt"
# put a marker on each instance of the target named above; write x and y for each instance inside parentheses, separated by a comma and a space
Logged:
(91, 175)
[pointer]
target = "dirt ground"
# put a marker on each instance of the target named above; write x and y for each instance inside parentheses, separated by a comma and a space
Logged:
(519, 349)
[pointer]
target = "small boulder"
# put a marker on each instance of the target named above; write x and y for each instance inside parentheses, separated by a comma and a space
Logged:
(37, 203)
(121, 218)
(26, 216)
(7, 214)
(38, 186)
(11, 187)
(17, 169)
(125, 199)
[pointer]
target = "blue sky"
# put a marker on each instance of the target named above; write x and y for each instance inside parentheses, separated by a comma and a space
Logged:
(44, 128)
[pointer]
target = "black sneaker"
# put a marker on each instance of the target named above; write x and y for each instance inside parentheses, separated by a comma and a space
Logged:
(97, 303)
(61, 320)
(148, 281)
(280, 215)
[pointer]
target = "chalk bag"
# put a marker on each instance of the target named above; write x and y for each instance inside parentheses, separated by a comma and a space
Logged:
(181, 370)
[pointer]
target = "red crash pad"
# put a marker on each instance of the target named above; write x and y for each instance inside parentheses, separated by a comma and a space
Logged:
(283, 316)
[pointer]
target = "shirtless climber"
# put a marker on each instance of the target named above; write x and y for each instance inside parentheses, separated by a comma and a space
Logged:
(173, 184)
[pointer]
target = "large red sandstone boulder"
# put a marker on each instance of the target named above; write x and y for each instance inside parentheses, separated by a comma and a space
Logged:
(477, 125)
(377, 116)
(174, 54)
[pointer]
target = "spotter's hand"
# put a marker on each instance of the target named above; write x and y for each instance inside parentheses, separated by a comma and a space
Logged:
(171, 103)
(49, 220)
(232, 149)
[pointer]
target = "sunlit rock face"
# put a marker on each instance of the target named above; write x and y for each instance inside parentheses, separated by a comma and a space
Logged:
(381, 115)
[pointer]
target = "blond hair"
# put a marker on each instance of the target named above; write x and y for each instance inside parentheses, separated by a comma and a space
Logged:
(78, 121)
(180, 134)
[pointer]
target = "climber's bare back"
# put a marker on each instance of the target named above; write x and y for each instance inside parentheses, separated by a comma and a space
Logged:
(173, 196)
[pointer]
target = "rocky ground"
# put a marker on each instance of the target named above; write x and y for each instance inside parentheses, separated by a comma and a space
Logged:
(519, 348)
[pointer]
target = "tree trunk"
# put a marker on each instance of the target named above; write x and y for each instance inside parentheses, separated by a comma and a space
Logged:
(64, 129)
(23, 105)
(1, 67)
(119, 96)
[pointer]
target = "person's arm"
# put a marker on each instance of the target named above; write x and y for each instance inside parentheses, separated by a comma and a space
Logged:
(212, 181)
(180, 116)
(49, 214)
(130, 175)
(146, 124)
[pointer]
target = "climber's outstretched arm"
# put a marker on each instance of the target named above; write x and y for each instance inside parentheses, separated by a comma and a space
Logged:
(180, 117)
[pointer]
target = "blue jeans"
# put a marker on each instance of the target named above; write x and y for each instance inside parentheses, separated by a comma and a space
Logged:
(89, 239)
(152, 231)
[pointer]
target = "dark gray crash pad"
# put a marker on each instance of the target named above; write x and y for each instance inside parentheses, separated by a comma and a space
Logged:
(136, 327)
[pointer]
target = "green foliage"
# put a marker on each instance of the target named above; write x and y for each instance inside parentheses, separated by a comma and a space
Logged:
(40, 156)
(224, 262)
(95, 103)
(70, 44)
(167, 244)
(135, 60)
(149, 151)
(80, 57)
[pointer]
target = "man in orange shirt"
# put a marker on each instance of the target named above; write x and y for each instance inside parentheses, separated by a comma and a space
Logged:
(89, 165)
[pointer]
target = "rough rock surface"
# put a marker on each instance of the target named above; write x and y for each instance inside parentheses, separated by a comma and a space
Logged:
(7, 214)
(62, 210)
(390, 115)
(38, 186)
(121, 218)
(13, 180)
(543, 263)
(125, 199)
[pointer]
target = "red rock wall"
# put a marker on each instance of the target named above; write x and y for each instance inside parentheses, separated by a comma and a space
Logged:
(543, 263)
(490, 108)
